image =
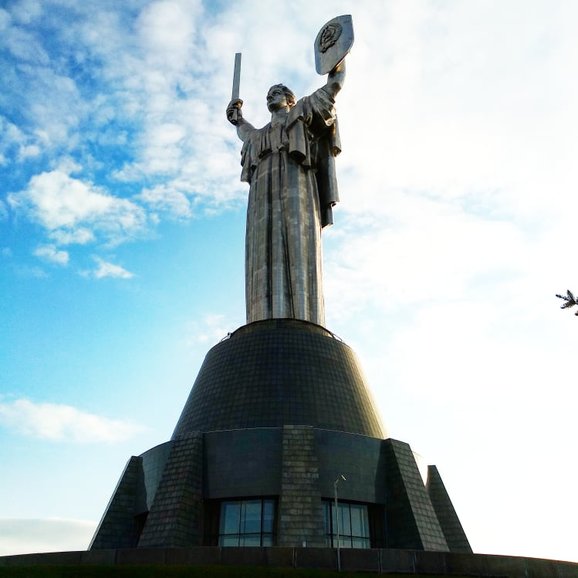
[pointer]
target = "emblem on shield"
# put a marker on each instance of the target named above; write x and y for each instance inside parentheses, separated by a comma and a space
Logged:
(333, 43)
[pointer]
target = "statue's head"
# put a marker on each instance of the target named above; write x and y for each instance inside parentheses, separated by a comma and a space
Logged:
(280, 97)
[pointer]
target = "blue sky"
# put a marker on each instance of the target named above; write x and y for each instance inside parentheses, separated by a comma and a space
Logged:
(122, 225)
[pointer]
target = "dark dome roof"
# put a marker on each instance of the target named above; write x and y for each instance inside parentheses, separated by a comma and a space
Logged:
(280, 372)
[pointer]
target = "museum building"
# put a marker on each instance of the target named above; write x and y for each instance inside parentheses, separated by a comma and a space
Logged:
(280, 444)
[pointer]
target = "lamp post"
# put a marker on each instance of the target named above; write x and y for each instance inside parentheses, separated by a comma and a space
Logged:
(340, 477)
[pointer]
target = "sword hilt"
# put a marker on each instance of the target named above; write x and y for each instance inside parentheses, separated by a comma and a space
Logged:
(234, 116)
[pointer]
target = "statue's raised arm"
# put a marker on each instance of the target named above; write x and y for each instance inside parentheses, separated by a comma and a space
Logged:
(335, 79)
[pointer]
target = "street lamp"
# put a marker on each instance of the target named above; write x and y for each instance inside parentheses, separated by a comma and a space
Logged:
(339, 478)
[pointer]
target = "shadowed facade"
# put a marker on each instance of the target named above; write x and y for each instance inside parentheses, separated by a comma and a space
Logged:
(278, 412)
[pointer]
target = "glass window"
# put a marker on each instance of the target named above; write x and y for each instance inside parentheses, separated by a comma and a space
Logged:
(232, 540)
(345, 519)
(230, 517)
(247, 523)
(353, 525)
(250, 540)
(268, 516)
(251, 517)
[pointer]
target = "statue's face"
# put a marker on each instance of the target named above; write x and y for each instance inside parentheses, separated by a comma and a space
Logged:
(276, 99)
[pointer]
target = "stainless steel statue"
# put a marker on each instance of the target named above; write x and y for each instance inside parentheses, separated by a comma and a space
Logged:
(289, 164)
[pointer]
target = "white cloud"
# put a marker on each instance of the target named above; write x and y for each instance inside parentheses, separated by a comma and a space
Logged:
(212, 328)
(29, 151)
(78, 236)
(166, 199)
(22, 44)
(5, 19)
(59, 422)
(52, 254)
(26, 11)
(12, 139)
(456, 120)
(166, 29)
(70, 207)
(431, 250)
(106, 269)
(27, 536)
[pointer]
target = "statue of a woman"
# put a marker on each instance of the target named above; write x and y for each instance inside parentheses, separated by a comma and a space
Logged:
(289, 164)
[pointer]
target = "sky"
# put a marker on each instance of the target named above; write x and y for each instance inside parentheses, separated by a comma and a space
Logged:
(122, 241)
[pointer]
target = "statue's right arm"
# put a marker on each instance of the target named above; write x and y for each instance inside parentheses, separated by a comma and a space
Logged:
(335, 79)
(235, 117)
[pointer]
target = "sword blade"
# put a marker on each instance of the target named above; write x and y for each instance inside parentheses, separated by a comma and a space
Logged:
(236, 77)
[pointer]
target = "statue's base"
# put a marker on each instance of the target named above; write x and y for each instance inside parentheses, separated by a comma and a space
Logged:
(278, 413)
(280, 372)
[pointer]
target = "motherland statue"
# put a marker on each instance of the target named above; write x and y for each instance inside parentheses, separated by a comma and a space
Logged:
(290, 167)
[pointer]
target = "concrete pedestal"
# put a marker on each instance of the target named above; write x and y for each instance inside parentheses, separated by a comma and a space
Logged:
(280, 409)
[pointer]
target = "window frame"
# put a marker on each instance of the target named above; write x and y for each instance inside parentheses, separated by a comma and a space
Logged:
(267, 520)
(347, 537)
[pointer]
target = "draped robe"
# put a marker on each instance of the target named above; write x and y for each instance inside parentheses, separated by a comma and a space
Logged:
(291, 172)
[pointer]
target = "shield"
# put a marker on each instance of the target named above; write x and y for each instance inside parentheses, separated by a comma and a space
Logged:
(333, 43)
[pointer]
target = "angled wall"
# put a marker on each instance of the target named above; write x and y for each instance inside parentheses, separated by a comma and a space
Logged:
(117, 528)
(445, 512)
(175, 516)
(411, 519)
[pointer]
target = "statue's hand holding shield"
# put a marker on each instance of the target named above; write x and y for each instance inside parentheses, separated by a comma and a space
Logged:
(333, 44)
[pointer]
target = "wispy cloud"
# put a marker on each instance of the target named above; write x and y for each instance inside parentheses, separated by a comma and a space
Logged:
(106, 269)
(166, 199)
(74, 210)
(59, 422)
(429, 249)
(12, 139)
(161, 143)
(51, 254)
(210, 329)
(25, 536)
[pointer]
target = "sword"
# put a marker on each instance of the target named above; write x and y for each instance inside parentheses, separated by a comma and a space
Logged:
(236, 84)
